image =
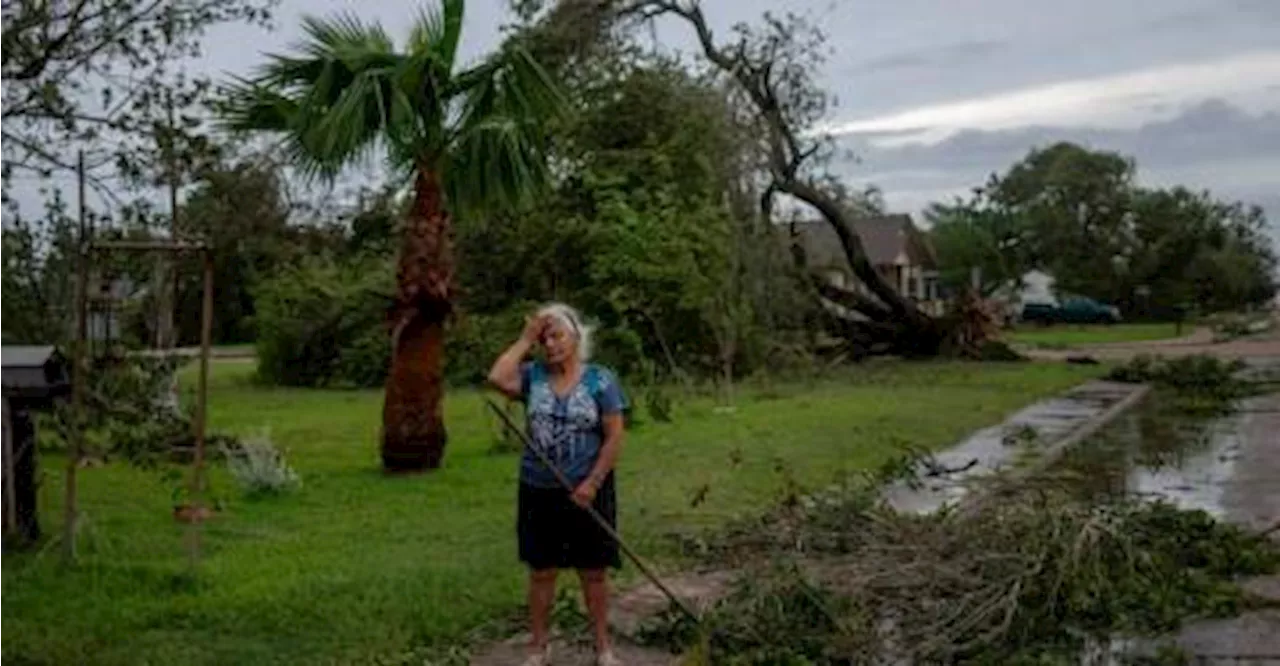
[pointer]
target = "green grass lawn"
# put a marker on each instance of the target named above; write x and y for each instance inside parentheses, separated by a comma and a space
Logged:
(356, 566)
(234, 350)
(1065, 336)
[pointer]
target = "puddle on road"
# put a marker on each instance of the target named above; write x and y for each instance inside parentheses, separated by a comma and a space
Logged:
(1152, 450)
(1155, 452)
(948, 476)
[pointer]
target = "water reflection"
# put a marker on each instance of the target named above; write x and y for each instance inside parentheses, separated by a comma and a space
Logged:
(1029, 433)
(1156, 450)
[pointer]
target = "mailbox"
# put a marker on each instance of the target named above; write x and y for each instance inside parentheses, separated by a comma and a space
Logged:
(33, 378)
(34, 375)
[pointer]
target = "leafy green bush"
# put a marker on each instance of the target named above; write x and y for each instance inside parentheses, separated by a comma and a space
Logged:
(475, 340)
(322, 323)
(127, 414)
(621, 348)
(365, 358)
(504, 440)
(658, 401)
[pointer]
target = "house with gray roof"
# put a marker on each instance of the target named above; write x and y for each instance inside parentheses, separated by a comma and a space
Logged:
(899, 250)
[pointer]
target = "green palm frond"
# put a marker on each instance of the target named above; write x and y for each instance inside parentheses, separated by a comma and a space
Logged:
(344, 35)
(438, 31)
(332, 101)
(249, 107)
(497, 163)
(286, 72)
(346, 93)
(497, 150)
(494, 139)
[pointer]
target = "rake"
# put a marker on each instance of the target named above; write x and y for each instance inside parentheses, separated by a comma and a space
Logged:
(595, 515)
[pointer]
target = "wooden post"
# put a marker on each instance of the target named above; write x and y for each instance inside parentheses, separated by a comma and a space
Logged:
(10, 477)
(202, 401)
(78, 378)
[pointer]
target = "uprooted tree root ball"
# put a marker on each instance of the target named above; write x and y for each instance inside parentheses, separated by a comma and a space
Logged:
(1032, 578)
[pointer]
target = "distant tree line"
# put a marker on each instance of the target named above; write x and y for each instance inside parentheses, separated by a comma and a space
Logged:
(1081, 216)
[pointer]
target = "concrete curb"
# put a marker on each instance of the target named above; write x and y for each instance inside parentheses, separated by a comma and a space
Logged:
(976, 500)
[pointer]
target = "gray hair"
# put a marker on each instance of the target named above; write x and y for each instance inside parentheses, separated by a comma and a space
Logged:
(571, 319)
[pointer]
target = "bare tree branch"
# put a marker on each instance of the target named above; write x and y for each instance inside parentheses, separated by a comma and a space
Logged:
(788, 153)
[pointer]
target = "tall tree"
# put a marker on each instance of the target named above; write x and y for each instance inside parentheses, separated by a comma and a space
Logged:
(1078, 201)
(104, 76)
(471, 140)
(1078, 214)
(979, 233)
(38, 257)
(106, 79)
(240, 209)
(771, 71)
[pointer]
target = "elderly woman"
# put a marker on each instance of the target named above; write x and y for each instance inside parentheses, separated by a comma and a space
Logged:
(574, 413)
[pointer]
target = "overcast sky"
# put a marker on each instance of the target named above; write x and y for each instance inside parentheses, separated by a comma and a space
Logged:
(936, 94)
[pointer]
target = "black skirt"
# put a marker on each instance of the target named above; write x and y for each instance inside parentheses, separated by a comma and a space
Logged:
(555, 533)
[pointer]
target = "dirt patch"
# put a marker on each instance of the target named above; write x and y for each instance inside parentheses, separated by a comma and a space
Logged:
(699, 590)
(630, 609)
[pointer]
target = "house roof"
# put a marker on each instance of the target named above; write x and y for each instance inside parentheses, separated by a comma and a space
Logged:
(885, 239)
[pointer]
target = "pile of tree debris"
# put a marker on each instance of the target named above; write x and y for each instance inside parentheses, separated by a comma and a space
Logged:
(1037, 578)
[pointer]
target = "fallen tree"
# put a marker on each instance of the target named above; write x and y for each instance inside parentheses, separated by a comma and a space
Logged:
(771, 72)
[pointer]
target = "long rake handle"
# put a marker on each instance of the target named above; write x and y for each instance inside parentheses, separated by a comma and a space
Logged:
(595, 515)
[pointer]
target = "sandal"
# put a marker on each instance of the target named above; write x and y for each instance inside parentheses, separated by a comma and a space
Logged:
(542, 658)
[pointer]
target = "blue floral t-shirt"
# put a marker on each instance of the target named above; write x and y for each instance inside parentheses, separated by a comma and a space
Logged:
(568, 428)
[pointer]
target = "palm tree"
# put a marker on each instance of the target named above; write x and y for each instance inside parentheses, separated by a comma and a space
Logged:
(470, 140)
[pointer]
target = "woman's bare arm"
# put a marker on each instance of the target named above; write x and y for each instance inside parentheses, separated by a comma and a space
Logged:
(505, 373)
(610, 448)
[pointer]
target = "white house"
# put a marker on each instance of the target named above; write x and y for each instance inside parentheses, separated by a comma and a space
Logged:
(1035, 287)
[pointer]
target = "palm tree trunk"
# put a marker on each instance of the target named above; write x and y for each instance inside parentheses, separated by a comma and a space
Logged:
(413, 432)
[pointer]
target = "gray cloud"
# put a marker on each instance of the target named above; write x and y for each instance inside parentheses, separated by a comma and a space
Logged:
(949, 55)
(1210, 145)
(1183, 20)
(1209, 131)
(1260, 8)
